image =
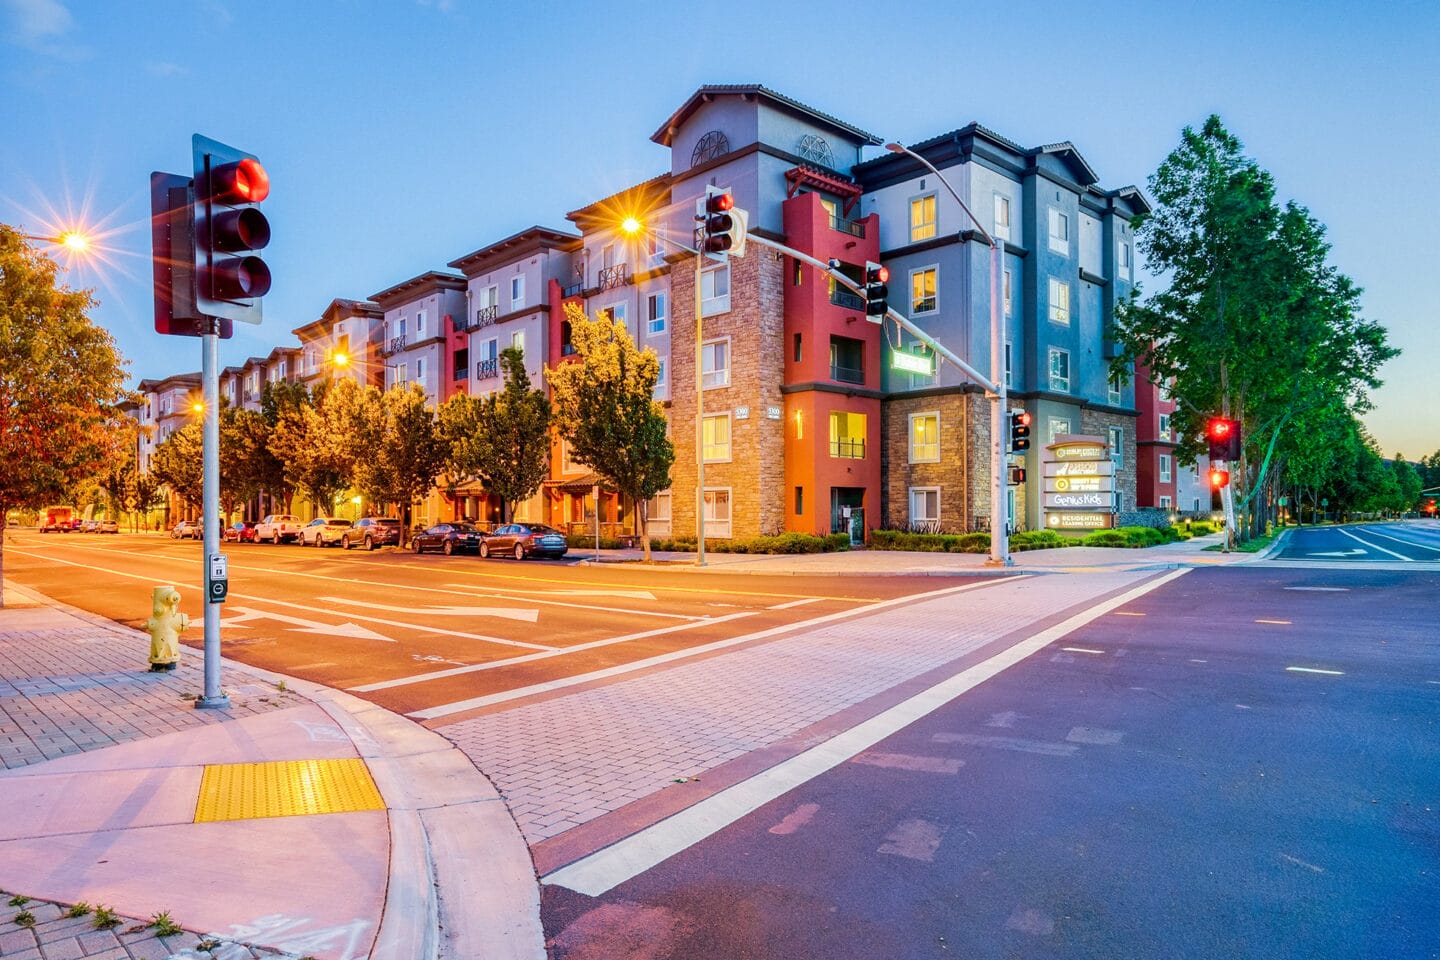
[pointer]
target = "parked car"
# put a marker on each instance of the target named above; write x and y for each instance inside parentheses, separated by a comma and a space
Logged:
(449, 538)
(241, 531)
(372, 532)
(107, 526)
(277, 528)
(323, 532)
(187, 530)
(521, 540)
(89, 526)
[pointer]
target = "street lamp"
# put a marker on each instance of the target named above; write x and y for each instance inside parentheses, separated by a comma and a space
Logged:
(999, 530)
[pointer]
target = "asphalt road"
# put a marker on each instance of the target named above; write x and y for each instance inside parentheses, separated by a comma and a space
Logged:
(429, 632)
(1243, 763)
(1399, 542)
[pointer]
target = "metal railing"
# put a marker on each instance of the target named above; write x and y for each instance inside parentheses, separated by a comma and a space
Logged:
(485, 316)
(486, 369)
(849, 449)
(844, 298)
(853, 227)
(573, 290)
(395, 346)
(847, 374)
(611, 277)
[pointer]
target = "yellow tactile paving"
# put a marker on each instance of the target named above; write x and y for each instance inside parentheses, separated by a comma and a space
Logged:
(285, 788)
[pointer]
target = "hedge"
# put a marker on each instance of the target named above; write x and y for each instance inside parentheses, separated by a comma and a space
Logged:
(782, 543)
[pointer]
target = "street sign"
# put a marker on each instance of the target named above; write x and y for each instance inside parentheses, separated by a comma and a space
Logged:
(911, 363)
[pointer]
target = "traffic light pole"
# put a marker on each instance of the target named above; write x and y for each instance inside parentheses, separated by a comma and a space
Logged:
(699, 418)
(210, 508)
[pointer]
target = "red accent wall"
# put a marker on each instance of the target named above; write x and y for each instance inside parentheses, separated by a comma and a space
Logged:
(455, 340)
(1148, 443)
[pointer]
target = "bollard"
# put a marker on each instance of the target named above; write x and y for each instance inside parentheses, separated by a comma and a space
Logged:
(165, 625)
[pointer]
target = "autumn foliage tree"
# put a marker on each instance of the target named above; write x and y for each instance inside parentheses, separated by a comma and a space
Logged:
(61, 377)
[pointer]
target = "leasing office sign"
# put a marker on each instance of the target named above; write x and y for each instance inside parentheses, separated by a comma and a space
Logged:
(1079, 489)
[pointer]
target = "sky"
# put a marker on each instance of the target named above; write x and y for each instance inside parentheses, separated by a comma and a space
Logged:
(402, 134)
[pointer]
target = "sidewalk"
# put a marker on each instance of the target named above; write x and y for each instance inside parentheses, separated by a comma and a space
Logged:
(118, 793)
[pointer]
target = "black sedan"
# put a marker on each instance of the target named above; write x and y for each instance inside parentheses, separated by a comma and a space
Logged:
(521, 540)
(448, 538)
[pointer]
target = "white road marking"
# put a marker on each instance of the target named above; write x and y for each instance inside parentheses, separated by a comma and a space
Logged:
(913, 840)
(501, 613)
(468, 590)
(1193, 660)
(1094, 735)
(1356, 552)
(1301, 863)
(1319, 589)
(795, 603)
(451, 708)
(1241, 706)
(1375, 546)
(603, 870)
(352, 630)
(1277, 622)
(1409, 543)
(623, 594)
(1017, 744)
(1004, 719)
(1081, 650)
(796, 819)
(1128, 613)
(903, 761)
(1328, 673)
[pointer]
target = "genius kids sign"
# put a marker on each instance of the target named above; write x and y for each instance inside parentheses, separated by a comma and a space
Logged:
(1079, 489)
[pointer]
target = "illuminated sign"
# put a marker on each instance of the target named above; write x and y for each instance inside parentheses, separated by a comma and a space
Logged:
(1080, 451)
(1078, 521)
(910, 363)
(1099, 500)
(1068, 484)
(1080, 468)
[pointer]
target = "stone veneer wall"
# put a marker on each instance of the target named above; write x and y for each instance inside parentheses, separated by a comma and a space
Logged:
(963, 473)
(1098, 423)
(755, 325)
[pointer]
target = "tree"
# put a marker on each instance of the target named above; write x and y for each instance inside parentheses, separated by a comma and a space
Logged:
(245, 459)
(179, 463)
(465, 446)
(514, 432)
(315, 441)
(147, 492)
(604, 406)
(61, 378)
(399, 448)
(1408, 484)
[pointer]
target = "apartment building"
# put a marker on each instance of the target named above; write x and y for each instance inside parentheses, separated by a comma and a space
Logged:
(344, 343)
(165, 406)
(1157, 473)
(417, 331)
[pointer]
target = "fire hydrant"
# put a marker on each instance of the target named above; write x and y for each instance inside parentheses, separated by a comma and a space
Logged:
(165, 625)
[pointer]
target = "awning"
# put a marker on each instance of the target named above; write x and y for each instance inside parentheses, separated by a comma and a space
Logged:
(578, 486)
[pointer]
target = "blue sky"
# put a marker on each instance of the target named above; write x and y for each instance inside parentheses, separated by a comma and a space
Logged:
(400, 134)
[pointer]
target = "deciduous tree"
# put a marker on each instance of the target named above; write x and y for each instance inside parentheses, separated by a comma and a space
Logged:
(514, 431)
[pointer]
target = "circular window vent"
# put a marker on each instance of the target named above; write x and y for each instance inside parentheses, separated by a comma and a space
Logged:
(816, 150)
(713, 144)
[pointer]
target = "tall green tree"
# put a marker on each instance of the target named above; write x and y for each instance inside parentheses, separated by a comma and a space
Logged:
(604, 406)
(245, 459)
(316, 441)
(514, 430)
(61, 377)
(178, 463)
(1408, 484)
(399, 448)
(465, 447)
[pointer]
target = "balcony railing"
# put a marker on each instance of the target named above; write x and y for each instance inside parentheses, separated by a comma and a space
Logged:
(487, 369)
(844, 298)
(573, 290)
(853, 227)
(847, 374)
(485, 316)
(611, 277)
(395, 345)
(849, 448)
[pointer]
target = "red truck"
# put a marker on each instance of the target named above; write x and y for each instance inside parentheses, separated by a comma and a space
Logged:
(58, 520)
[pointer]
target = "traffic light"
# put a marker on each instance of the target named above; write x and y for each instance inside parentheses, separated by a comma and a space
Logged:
(1017, 475)
(1224, 438)
(172, 243)
(876, 292)
(1019, 430)
(1219, 478)
(723, 226)
(230, 185)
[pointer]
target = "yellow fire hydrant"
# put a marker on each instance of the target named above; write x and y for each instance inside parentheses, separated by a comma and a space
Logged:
(165, 625)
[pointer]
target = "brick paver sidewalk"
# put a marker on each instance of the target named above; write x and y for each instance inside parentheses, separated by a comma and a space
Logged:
(564, 761)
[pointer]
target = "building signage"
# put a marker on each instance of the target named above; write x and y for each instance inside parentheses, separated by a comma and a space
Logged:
(1070, 484)
(911, 363)
(1081, 468)
(1071, 520)
(1083, 450)
(1079, 501)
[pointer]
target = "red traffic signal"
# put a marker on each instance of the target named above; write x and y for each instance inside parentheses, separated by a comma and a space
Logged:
(877, 294)
(1219, 478)
(1219, 428)
(244, 181)
(722, 226)
(1019, 430)
(1223, 435)
(230, 278)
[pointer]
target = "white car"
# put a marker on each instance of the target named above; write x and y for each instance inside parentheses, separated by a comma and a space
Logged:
(277, 528)
(323, 532)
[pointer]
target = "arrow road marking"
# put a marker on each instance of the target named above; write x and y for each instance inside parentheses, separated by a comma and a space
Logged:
(506, 613)
(503, 593)
(352, 630)
(1375, 546)
(1338, 553)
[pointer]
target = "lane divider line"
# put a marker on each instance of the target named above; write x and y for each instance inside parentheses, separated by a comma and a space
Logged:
(1409, 543)
(1375, 546)
(1328, 673)
(607, 868)
(445, 710)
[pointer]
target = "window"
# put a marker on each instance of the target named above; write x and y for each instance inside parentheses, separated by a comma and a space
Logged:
(1059, 232)
(617, 313)
(658, 507)
(517, 293)
(925, 438)
(1059, 370)
(715, 364)
(402, 375)
(925, 507)
(715, 291)
(922, 218)
(799, 501)
(517, 340)
(1009, 375)
(654, 250)
(655, 313)
(847, 360)
(489, 297)
(1057, 427)
(1164, 503)
(715, 438)
(918, 380)
(1002, 217)
(282, 370)
(460, 365)
(1114, 395)
(419, 324)
(568, 463)
(797, 348)
(1009, 301)
(309, 361)
(420, 370)
(1124, 261)
(922, 290)
(717, 512)
(1059, 301)
(1162, 390)
(1164, 426)
(659, 379)
(847, 435)
(1117, 445)
(401, 331)
(1165, 471)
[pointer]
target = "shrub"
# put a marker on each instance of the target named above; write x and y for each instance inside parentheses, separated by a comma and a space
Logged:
(1202, 527)
(1108, 538)
(930, 542)
(1041, 540)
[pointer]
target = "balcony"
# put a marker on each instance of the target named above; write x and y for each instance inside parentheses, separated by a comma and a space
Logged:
(612, 277)
(484, 317)
(844, 298)
(853, 227)
(573, 290)
(395, 345)
(847, 374)
(848, 448)
(487, 369)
